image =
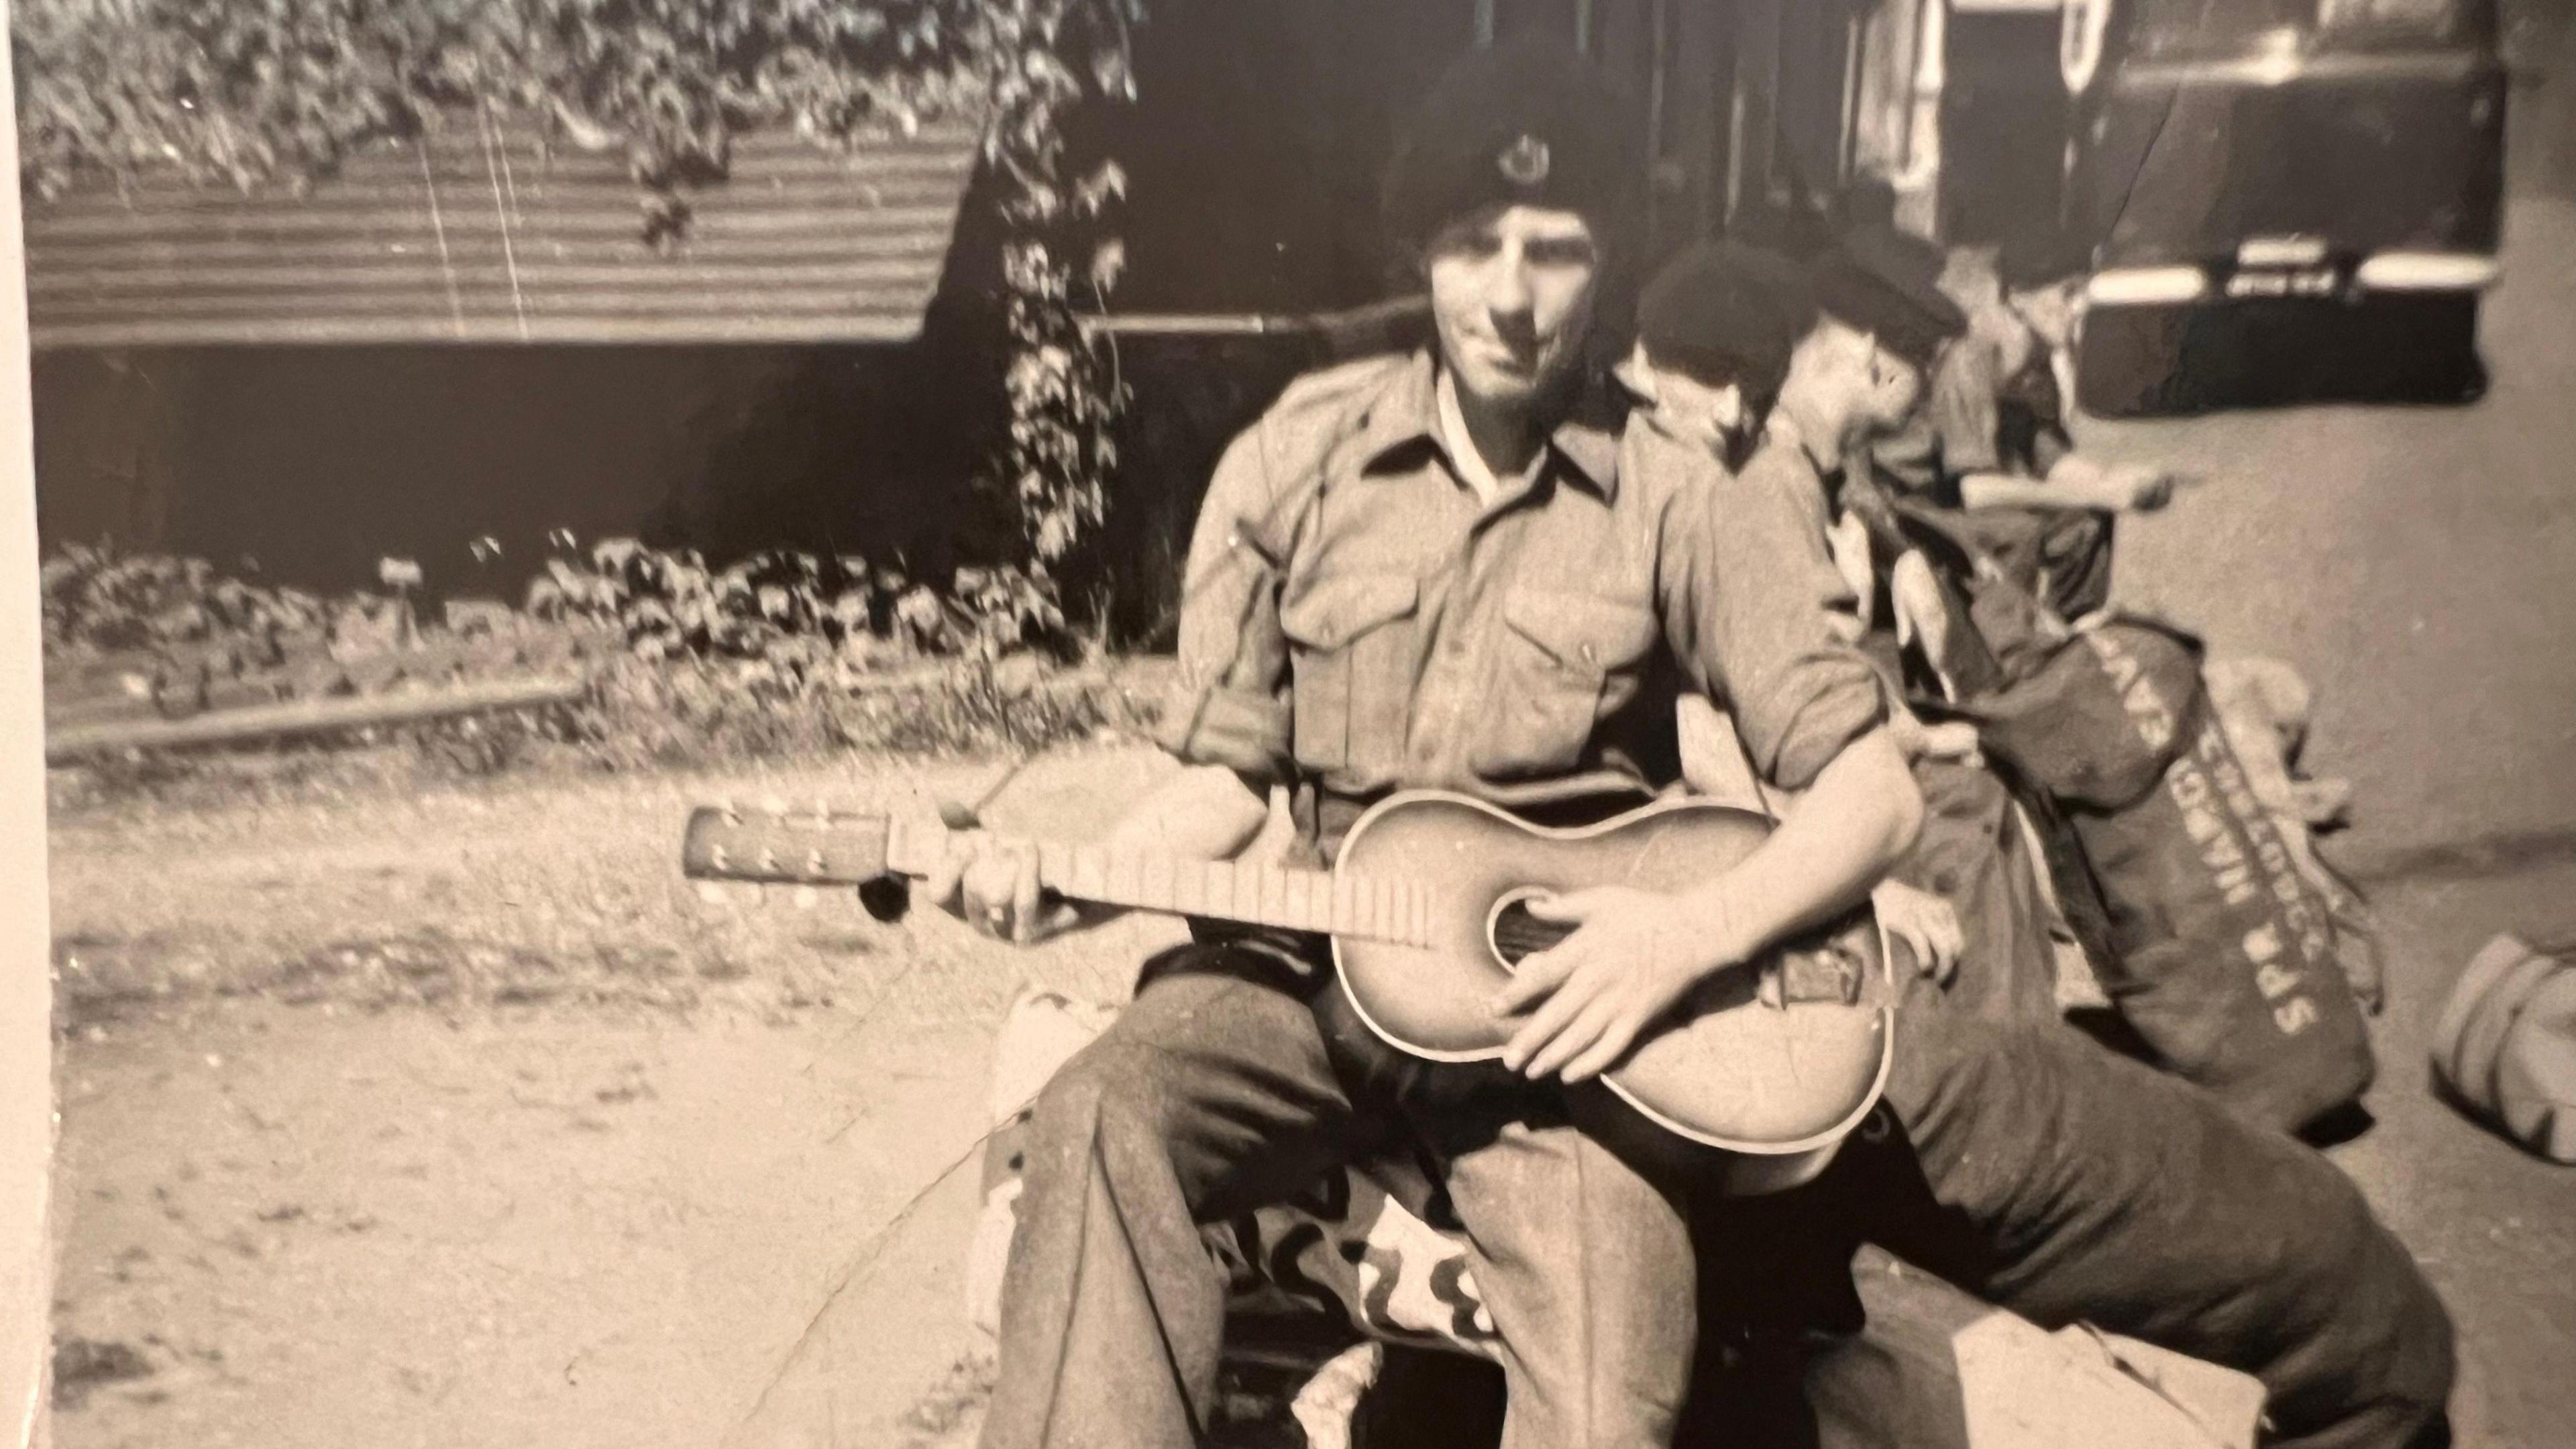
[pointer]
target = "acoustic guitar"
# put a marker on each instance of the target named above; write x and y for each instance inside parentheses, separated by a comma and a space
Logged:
(1771, 1064)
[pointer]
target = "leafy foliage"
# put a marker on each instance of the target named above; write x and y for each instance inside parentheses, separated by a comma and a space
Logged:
(785, 656)
(97, 599)
(803, 614)
(790, 620)
(1065, 395)
(253, 92)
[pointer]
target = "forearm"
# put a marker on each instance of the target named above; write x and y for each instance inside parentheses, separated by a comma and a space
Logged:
(1202, 812)
(1837, 842)
(2074, 483)
(1205, 812)
(2077, 471)
(2005, 490)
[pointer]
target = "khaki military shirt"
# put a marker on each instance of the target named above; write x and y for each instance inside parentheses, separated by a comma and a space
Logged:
(1990, 405)
(1355, 620)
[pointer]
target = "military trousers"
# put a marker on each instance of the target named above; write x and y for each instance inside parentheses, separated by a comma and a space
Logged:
(1238, 1078)
(2018, 1159)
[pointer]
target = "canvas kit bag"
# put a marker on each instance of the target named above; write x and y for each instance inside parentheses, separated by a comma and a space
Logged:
(2221, 951)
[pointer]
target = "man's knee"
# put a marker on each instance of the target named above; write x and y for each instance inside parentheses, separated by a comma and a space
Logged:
(1963, 1075)
(2410, 1407)
(1112, 1086)
(1129, 1080)
(2400, 1401)
(2423, 1388)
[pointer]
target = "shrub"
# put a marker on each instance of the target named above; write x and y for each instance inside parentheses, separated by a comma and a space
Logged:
(96, 599)
(801, 614)
(779, 656)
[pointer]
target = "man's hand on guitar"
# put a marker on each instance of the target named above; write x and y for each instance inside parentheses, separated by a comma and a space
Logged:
(1632, 956)
(992, 885)
(1927, 925)
(2138, 487)
(1948, 740)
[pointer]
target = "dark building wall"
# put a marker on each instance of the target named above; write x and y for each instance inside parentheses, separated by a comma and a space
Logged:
(1261, 127)
(316, 462)
(2005, 118)
(1254, 147)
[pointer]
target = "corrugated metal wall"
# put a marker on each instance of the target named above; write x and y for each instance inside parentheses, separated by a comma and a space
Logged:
(485, 235)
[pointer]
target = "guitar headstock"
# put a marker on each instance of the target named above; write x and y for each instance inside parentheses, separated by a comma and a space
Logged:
(779, 844)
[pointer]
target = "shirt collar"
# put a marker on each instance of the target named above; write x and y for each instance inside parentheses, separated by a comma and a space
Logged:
(1740, 441)
(1406, 414)
(1792, 424)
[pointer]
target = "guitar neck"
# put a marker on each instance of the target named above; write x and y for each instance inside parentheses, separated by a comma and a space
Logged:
(825, 848)
(1244, 892)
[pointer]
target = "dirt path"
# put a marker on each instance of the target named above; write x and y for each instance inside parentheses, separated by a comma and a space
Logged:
(460, 1119)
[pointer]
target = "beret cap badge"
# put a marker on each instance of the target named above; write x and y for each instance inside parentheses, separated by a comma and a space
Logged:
(1524, 162)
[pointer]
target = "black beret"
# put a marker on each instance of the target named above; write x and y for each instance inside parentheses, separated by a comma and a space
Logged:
(1725, 312)
(1887, 282)
(1522, 123)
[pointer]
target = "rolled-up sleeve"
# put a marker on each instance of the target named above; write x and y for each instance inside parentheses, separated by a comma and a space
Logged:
(1751, 603)
(1229, 699)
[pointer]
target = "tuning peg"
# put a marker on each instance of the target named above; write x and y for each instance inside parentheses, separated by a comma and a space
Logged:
(774, 806)
(807, 898)
(712, 893)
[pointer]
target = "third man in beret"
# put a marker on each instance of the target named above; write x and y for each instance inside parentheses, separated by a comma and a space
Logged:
(2020, 1159)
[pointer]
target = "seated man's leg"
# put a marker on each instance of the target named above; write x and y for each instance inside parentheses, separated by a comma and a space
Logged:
(1972, 854)
(2065, 1183)
(1586, 1267)
(1211, 1092)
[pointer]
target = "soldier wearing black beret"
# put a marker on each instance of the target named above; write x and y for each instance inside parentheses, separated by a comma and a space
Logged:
(1460, 569)
(1715, 330)
(1887, 283)
(1520, 124)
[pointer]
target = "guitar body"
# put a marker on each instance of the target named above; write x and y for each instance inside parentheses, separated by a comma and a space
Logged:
(1770, 1064)
(1775, 1084)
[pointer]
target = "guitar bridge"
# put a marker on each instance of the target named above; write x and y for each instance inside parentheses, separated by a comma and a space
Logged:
(1829, 974)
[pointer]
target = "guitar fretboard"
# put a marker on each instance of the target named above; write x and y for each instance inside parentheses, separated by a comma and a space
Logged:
(1244, 892)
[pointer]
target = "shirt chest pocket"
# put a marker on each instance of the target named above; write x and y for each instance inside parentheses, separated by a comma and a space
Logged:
(1353, 650)
(1565, 660)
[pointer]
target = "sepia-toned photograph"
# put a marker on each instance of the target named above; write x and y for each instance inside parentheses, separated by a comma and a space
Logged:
(1297, 724)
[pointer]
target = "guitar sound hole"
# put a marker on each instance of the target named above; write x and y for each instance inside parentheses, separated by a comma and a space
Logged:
(1517, 934)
